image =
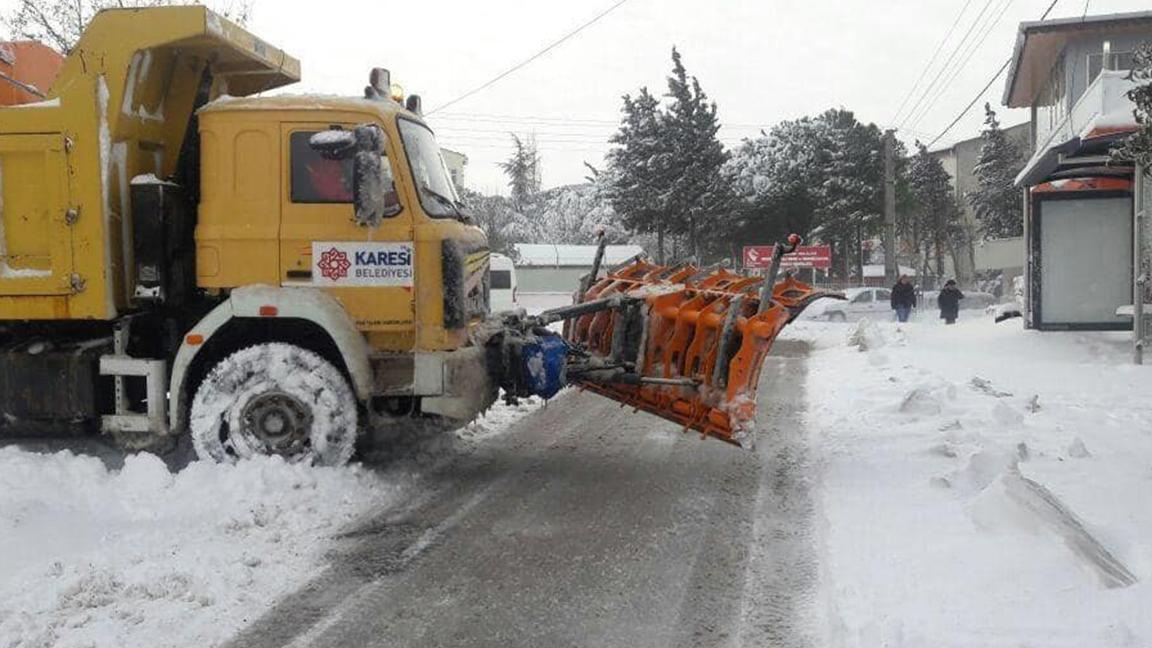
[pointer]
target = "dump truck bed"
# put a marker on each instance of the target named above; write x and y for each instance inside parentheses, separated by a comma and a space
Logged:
(121, 106)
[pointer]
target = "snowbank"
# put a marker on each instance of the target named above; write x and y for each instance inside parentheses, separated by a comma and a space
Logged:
(145, 557)
(982, 485)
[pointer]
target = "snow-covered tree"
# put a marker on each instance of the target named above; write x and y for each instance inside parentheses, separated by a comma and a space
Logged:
(773, 179)
(1138, 147)
(851, 197)
(59, 23)
(818, 176)
(930, 222)
(571, 214)
(640, 168)
(523, 170)
(996, 201)
(494, 215)
(664, 170)
(698, 196)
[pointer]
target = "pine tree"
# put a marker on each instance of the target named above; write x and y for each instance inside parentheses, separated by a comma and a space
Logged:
(931, 220)
(851, 197)
(523, 171)
(59, 23)
(698, 195)
(996, 201)
(640, 168)
(1138, 147)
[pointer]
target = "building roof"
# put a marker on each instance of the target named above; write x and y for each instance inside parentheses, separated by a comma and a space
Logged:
(1009, 131)
(1038, 43)
(547, 255)
(449, 151)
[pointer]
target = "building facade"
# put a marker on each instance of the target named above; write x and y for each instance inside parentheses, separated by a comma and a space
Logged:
(1079, 211)
(548, 268)
(456, 162)
(1005, 256)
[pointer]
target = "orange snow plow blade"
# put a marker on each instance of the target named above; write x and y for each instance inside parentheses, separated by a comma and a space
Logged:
(684, 344)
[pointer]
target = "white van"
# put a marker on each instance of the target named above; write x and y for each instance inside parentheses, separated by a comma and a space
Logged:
(502, 283)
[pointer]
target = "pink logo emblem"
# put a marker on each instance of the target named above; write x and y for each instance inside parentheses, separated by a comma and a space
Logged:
(334, 264)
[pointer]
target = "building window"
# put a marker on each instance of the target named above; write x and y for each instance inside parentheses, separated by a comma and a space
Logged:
(1052, 102)
(1116, 61)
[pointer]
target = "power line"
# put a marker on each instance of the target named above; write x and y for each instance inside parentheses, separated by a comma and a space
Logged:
(947, 63)
(986, 86)
(503, 125)
(969, 53)
(528, 60)
(932, 60)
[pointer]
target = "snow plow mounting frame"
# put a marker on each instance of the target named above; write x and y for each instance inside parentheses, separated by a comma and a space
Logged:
(683, 343)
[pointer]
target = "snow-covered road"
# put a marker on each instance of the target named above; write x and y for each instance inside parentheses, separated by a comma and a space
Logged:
(582, 524)
(913, 486)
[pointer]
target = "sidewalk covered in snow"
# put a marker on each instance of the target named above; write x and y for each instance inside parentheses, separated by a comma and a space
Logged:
(982, 485)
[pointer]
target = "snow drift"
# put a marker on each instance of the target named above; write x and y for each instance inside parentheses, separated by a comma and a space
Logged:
(144, 557)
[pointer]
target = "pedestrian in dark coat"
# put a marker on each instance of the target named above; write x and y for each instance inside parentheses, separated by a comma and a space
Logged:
(949, 302)
(903, 298)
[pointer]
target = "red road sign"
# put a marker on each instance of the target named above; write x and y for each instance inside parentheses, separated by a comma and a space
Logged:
(757, 256)
(805, 256)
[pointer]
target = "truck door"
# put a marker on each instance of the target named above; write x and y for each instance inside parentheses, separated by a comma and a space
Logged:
(370, 270)
(35, 234)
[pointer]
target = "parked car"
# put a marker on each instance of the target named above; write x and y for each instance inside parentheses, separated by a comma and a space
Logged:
(859, 303)
(501, 283)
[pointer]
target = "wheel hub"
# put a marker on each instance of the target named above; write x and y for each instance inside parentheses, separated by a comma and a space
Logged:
(279, 421)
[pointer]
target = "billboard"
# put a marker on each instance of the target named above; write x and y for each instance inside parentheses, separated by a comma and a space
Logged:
(805, 256)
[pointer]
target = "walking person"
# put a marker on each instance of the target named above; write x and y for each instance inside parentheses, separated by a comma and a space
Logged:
(903, 298)
(949, 302)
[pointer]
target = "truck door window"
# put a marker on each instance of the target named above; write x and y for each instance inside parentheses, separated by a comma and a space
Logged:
(316, 179)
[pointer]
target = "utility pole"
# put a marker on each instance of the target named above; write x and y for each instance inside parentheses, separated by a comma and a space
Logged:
(891, 268)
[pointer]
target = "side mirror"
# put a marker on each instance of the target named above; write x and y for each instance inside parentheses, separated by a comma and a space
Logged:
(365, 146)
(368, 172)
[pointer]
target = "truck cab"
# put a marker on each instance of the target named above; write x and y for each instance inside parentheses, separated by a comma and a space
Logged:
(180, 255)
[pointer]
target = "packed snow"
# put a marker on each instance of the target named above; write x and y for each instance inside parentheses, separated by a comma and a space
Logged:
(141, 556)
(981, 485)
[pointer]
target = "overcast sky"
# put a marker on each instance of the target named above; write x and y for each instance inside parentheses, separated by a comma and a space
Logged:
(762, 61)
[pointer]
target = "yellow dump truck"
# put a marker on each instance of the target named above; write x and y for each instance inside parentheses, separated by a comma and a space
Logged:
(157, 220)
(280, 274)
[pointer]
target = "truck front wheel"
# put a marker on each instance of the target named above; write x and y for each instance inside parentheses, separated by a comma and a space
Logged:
(274, 399)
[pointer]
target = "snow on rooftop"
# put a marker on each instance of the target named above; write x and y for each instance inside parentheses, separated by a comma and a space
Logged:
(534, 254)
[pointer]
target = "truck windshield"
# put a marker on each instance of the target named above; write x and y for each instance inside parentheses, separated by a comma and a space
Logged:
(433, 184)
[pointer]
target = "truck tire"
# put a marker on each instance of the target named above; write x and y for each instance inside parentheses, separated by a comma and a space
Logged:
(274, 399)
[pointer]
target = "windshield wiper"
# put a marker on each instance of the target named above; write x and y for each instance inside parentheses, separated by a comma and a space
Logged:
(442, 199)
